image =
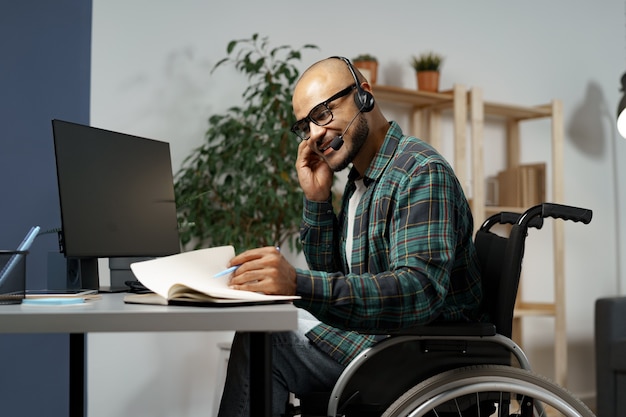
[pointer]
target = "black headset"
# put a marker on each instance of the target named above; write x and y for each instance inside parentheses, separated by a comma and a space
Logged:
(364, 100)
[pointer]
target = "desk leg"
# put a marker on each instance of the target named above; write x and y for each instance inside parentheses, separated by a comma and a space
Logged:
(260, 374)
(77, 375)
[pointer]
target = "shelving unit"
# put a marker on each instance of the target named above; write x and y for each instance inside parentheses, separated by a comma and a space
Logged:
(468, 106)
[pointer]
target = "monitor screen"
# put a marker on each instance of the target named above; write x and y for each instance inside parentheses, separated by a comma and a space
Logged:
(116, 193)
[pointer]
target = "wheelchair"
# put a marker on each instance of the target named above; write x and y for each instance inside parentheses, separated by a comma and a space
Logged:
(458, 369)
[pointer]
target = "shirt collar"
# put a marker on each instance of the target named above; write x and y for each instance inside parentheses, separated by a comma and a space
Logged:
(382, 157)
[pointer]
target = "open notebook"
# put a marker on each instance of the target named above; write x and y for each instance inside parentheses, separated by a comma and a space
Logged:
(189, 278)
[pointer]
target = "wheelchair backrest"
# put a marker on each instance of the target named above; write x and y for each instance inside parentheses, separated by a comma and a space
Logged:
(500, 260)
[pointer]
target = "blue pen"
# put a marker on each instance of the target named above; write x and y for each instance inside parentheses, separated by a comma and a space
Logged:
(233, 268)
(226, 271)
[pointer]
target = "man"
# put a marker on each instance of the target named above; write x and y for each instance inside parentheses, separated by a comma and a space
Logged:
(399, 254)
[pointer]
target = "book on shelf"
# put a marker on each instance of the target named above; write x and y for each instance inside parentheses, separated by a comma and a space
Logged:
(522, 186)
(188, 278)
(509, 188)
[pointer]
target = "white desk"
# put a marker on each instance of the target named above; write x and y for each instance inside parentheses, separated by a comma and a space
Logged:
(110, 314)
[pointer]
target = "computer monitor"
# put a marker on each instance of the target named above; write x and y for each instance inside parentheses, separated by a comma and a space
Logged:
(116, 194)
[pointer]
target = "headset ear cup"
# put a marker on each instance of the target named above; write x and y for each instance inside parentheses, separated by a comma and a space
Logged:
(364, 100)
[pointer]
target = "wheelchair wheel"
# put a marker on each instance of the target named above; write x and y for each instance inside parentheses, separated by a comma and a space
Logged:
(488, 390)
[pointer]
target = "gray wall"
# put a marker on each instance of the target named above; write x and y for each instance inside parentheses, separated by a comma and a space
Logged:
(150, 77)
(44, 74)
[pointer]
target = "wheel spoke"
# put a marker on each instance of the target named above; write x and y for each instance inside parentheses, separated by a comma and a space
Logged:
(487, 390)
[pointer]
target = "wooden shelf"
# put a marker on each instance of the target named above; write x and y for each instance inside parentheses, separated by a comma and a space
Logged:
(470, 110)
(524, 309)
(489, 210)
(414, 98)
(517, 112)
(444, 99)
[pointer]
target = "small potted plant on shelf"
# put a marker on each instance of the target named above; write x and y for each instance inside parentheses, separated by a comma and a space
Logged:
(427, 67)
(367, 65)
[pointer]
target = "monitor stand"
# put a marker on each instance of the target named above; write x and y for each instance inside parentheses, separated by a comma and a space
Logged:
(121, 273)
(71, 273)
(82, 273)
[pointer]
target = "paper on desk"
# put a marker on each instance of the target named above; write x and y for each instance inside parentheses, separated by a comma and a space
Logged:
(171, 275)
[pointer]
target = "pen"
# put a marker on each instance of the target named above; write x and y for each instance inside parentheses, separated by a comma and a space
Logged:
(226, 271)
(234, 268)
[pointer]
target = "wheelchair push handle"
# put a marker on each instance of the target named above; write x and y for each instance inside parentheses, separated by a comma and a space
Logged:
(556, 211)
(507, 217)
(560, 211)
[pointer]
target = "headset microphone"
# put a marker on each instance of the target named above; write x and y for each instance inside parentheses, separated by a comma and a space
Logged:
(337, 143)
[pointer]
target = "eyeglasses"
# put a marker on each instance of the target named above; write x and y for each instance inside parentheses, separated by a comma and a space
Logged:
(320, 115)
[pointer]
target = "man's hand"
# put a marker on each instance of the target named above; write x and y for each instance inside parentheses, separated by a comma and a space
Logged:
(263, 270)
(314, 174)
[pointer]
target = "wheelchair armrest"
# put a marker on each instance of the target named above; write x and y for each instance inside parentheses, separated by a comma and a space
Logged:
(462, 329)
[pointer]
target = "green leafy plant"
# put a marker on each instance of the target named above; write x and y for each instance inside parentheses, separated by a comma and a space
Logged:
(364, 57)
(240, 186)
(428, 61)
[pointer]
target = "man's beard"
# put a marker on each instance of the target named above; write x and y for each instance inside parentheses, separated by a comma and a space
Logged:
(359, 135)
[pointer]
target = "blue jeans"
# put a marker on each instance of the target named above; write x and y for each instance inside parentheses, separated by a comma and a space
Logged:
(298, 367)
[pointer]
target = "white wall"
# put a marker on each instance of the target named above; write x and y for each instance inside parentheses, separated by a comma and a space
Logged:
(150, 77)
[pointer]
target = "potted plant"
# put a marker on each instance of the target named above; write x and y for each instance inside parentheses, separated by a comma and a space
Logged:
(368, 66)
(240, 186)
(427, 67)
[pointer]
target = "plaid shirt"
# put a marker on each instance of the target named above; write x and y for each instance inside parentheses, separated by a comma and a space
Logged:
(413, 258)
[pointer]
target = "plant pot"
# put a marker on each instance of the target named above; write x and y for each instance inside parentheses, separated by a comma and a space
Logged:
(428, 81)
(369, 69)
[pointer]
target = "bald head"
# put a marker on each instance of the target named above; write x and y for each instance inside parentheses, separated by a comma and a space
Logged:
(319, 82)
